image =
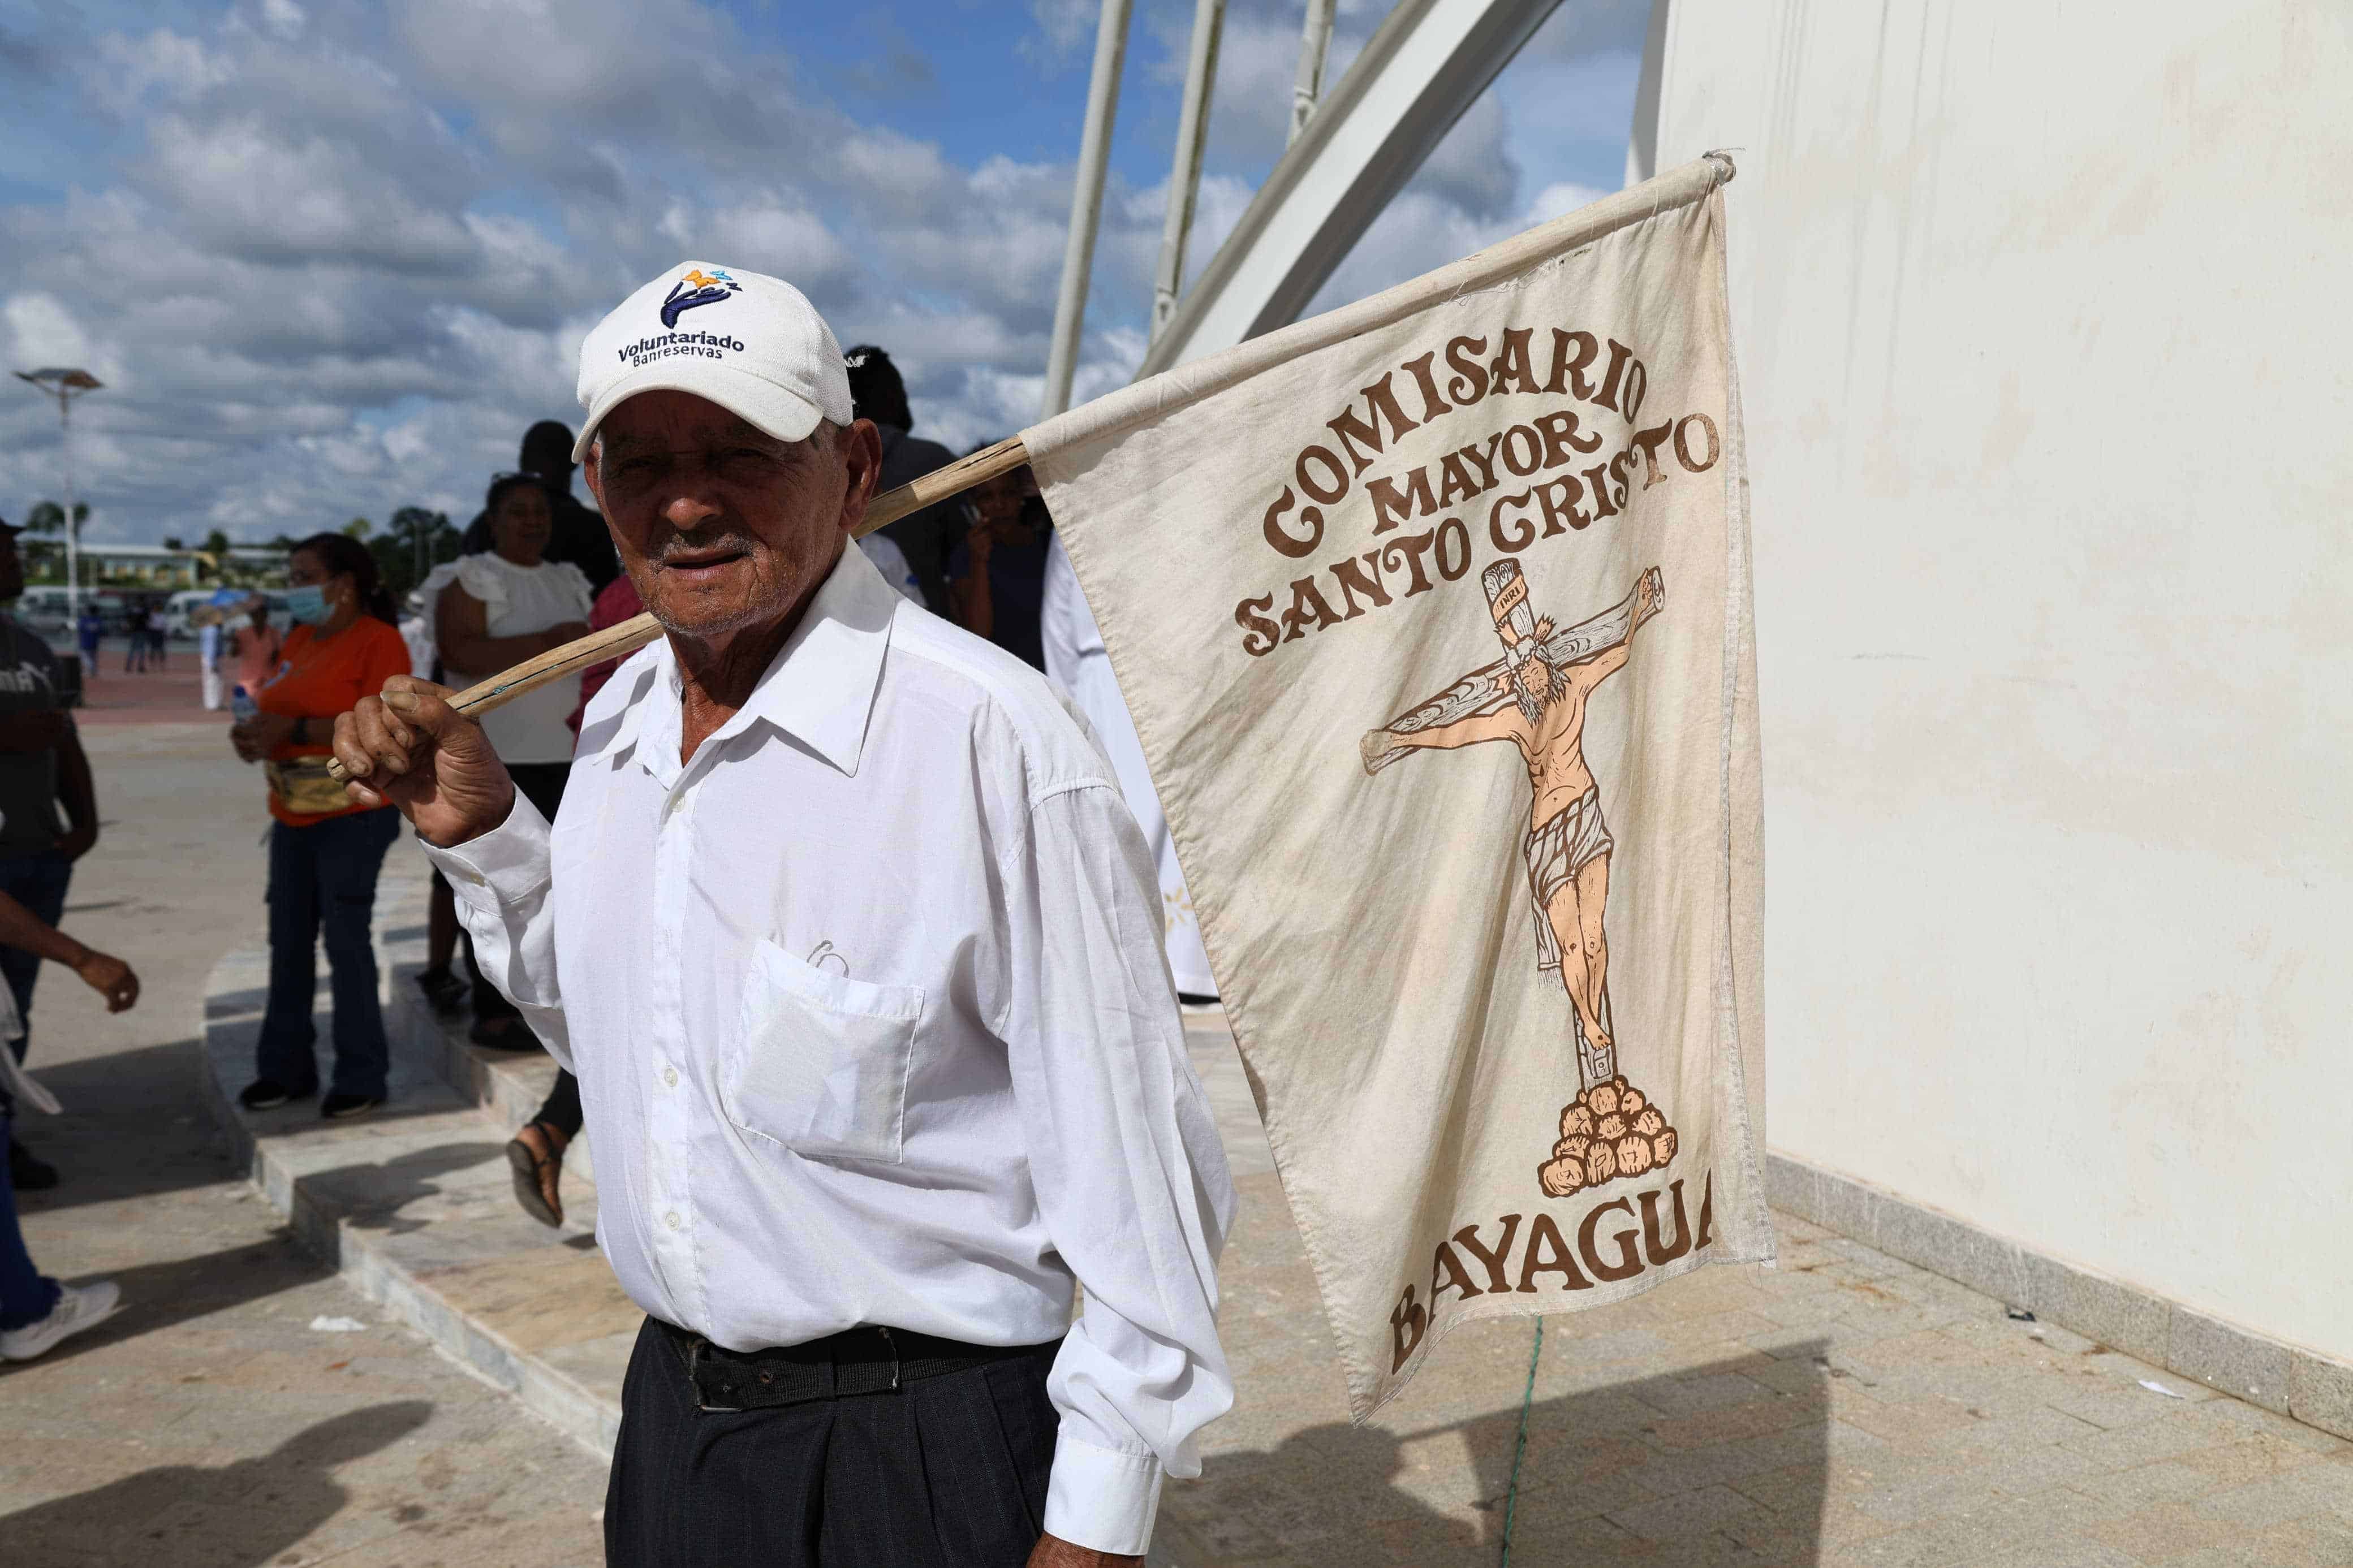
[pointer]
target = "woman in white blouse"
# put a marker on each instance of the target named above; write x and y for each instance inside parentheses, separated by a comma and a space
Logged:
(504, 606)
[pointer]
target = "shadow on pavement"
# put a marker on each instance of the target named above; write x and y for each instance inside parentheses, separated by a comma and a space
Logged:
(1640, 1472)
(231, 1516)
(155, 1296)
(136, 1125)
(372, 1195)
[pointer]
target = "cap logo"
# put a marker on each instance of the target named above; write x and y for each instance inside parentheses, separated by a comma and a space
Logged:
(697, 287)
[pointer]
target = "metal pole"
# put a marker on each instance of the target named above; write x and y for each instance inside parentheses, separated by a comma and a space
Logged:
(1314, 44)
(73, 529)
(1185, 177)
(1086, 205)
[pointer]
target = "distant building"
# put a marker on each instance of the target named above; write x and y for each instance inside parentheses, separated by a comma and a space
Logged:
(153, 564)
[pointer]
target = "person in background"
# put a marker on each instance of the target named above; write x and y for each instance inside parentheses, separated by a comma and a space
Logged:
(924, 537)
(41, 768)
(535, 1155)
(254, 648)
(444, 992)
(325, 852)
(577, 535)
(208, 661)
(1076, 659)
(89, 627)
(504, 606)
(134, 635)
(616, 603)
(996, 577)
(416, 631)
(35, 1312)
(159, 634)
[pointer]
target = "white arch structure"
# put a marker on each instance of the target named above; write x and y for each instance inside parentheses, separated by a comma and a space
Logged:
(1419, 72)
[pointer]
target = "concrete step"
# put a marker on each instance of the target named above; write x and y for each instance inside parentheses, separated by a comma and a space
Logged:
(415, 1204)
(508, 1086)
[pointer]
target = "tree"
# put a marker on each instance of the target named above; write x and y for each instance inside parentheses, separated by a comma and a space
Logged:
(359, 528)
(48, 517)
(413, 543)
(171, 541)
(217, 545)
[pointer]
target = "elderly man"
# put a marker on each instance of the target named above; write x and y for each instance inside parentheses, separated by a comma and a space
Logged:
(856, 951)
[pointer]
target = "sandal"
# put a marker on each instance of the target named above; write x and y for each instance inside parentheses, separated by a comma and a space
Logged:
(536, 1156)
(444, 992)
(503, 1034)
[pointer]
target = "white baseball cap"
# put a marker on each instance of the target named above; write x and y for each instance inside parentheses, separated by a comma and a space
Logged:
(751, 343)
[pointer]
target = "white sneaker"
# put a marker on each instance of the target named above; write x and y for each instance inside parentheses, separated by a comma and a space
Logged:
(78, 1307)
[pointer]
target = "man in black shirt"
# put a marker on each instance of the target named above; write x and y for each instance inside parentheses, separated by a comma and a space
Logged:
(997, 573)
(41, 767)
(924, 537)
(580, 535)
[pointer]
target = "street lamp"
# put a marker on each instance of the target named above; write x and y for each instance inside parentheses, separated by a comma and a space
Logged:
(65, 384)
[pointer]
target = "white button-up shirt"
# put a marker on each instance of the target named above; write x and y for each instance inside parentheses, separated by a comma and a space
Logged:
(872, 1027)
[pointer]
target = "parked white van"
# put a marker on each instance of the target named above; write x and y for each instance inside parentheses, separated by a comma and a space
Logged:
(42, 609)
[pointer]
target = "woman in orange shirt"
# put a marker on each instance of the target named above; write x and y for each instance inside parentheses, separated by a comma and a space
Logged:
(325, 852)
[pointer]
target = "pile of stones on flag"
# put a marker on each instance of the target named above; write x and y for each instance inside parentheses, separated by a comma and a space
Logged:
(1608, 1131)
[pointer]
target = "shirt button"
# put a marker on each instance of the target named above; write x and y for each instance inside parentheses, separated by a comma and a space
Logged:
(672, 1220)
(669, 1077)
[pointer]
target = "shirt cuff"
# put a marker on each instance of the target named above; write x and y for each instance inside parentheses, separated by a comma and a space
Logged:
(502, 866)
(1102, 1500)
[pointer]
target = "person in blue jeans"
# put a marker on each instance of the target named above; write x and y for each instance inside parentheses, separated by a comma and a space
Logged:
(36, 1311)
(324, 853)
(88, 629)
(42, 768)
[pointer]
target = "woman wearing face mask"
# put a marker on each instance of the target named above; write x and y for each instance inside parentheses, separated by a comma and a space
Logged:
(325, 852)
(507, 605)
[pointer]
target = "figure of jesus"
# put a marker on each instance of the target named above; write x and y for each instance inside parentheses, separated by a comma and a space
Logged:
(1536, 697)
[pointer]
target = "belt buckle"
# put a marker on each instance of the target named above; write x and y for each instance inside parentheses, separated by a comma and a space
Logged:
(693, 1375)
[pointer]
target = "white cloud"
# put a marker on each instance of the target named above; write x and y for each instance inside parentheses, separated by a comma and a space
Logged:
(778, 237)
(283, 18)
(165, 63)
(335, 258)
(1065, 29)
(251, 193)
(42, 332)
(1559, 201)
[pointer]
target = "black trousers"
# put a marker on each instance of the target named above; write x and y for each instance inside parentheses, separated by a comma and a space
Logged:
(941, 1472)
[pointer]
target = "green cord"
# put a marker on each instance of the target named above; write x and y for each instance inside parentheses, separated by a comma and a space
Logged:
(1512, 1498)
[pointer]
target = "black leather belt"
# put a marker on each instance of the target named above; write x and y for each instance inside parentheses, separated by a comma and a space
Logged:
(869, 1360)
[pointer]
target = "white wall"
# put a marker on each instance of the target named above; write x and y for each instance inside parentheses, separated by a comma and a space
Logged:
(2046, 323)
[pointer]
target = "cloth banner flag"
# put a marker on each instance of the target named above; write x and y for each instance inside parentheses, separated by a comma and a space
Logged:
(1433, 616)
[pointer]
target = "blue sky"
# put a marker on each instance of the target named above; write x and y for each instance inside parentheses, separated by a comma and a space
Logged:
(333, 258)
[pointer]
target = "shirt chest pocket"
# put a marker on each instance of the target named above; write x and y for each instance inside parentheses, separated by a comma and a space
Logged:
(820, 1061)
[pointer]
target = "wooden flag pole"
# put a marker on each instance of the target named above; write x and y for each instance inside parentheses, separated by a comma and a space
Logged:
(618, 642)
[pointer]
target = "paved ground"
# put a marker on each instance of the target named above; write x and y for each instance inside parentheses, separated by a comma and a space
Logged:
(1846, 1411)
(209, 1425)
(172, 694)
